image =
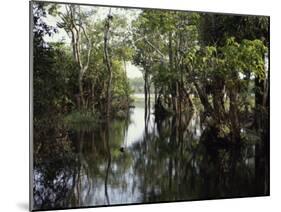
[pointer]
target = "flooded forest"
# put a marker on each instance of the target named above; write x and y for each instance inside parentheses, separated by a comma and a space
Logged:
(196, 128)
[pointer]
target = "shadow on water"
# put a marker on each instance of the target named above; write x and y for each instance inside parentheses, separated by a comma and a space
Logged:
(140, 161)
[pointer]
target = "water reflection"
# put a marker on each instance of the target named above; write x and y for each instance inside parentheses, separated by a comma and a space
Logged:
(139, 161)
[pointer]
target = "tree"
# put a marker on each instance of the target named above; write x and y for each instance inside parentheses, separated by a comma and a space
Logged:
(74, 21)
(107, 59)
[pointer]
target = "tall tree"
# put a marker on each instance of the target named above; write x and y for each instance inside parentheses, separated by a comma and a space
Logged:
(74, 21)
(107, 58)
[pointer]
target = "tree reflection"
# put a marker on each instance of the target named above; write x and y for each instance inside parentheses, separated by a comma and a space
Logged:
(55, 168)
(171, 161)
(178, 165)
(69, 169)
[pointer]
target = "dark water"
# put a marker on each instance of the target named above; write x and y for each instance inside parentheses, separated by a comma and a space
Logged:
(133, 161)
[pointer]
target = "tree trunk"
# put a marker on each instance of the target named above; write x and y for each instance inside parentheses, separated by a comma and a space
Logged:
(234, 115)
(173, 82)
(76, 31)
(108, 66)
(155, 93)
(258, 102)
(218, 102)
(145, 93)
(106, 132)
(204, 99)
(127, 83)
(148, 101)
(93, 97)
(188, 98)
(81, 92)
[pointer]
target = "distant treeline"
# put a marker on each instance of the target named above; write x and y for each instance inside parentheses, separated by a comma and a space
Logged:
(137, 85)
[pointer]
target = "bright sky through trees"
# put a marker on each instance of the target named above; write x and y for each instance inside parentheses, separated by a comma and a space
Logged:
(131, 14)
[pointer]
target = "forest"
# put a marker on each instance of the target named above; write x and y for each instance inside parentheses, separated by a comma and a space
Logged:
(211, 66)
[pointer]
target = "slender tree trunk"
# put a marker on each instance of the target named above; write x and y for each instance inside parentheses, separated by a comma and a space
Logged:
(188, 98)
(218, 102)
(258, 102)
(204, 99)
(93, 97)
(81, 92)
(127, 83)
(173, 83)
(181, 89)
(148, 101)
(106, 132)
(234, 115)
(145, 94)
(108, 65)
(155, 94)
(265, 102)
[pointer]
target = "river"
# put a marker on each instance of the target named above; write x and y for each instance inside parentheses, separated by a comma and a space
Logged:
(137, 161)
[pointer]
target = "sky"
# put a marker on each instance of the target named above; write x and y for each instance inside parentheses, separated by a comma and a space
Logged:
(61, 36)
(133, 71)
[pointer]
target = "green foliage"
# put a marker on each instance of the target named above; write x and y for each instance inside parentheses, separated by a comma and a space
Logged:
(212, 63)
(215, 29)
(80, 117)
(224, 131)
